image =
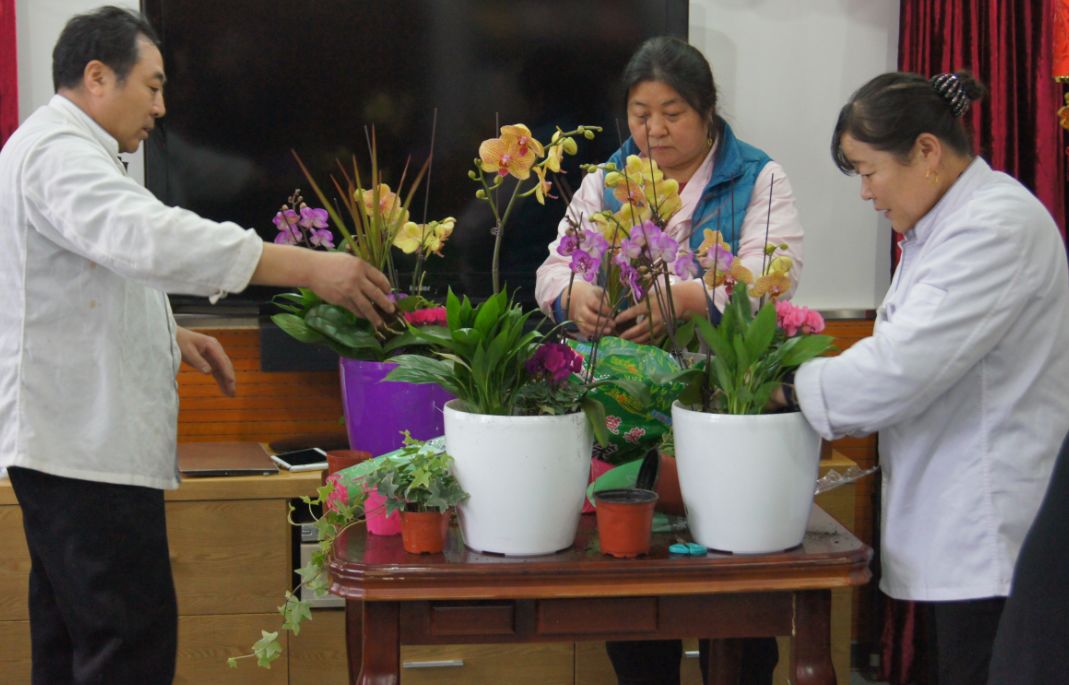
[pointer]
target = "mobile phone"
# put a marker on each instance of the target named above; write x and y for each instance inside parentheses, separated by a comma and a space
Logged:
(312, 459)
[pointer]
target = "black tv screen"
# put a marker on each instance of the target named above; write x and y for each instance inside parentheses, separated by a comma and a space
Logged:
(251, 80)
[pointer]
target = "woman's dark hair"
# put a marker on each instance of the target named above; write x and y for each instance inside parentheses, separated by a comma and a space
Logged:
(680, 65)
(891, 110)
(108, 34)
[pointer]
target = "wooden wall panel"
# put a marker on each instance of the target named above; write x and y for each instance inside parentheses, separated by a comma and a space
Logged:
(268, 406)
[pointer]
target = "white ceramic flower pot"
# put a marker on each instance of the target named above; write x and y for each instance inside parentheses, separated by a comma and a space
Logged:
(526, 478)
(747, 481)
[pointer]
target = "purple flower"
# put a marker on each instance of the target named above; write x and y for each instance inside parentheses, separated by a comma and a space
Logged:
(585, 265)
(718, 259)
(554, 362)
(630, 276)
(322, 237)
(594, 244)
(685, 266)
(662, 247)
(568, 244)
(313, 217)
(285, 218)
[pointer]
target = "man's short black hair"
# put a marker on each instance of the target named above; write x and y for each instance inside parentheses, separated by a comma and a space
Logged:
(108, 34)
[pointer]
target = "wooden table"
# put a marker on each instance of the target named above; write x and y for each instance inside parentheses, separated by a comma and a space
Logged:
(463, 596)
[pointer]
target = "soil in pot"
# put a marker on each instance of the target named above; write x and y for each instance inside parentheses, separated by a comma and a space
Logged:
(423, 532)
(625, 517)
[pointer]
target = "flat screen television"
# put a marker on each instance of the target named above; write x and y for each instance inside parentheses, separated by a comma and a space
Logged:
(251, 80)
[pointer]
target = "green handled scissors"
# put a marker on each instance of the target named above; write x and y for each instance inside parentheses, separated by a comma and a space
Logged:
(690, 549)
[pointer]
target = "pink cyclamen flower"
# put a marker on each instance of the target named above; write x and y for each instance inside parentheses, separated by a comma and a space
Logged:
(432, 316)
(794, 319)
(554, 362)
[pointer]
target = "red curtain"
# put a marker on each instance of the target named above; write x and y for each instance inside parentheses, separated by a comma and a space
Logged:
(9, 75)
(1007, 44)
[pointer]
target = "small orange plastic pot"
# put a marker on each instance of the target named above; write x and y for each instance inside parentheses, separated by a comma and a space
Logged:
(423, 532)
(625, 518)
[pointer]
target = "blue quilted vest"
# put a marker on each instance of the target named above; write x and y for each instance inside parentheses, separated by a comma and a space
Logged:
(727, 194)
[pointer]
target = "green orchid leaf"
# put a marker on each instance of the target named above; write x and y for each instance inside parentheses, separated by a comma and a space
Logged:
(295, 326)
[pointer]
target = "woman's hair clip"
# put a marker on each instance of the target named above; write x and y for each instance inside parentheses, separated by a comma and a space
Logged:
(950, 88)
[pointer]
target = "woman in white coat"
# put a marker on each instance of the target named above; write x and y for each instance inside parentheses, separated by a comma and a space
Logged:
(966, 375)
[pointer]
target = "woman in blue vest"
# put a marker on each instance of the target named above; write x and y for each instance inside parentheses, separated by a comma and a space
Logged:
(725, 184)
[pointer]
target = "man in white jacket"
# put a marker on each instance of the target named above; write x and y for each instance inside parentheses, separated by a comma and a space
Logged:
(89, 350)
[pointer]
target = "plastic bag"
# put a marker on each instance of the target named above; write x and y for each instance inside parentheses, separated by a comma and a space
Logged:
(633, 429)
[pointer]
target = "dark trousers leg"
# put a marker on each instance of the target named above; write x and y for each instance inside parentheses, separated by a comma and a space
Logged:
(960, 637)
(1032, 645)
(102, 603)
(656, 662)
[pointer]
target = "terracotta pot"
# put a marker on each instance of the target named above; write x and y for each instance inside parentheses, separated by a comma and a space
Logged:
(343, 459)
(625, 517)
(423, 532)
(669, 498)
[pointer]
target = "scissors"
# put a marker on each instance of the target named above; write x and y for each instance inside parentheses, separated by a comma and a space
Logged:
(690, 549)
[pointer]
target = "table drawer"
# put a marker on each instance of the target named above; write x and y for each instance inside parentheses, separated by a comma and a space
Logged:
(229, 557)
(516, 664)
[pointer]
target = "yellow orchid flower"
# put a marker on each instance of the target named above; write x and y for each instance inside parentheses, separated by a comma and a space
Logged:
(430, 237)
(606, 223)
(774, 284)
(436, 233)
(557, 147)
(513, 153)
(542, 187)
(389, 208)
(740, 273)
(409, 238)
(781, 264)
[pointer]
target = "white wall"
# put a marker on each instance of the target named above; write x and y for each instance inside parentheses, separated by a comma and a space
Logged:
(784, 68)
(39, 23)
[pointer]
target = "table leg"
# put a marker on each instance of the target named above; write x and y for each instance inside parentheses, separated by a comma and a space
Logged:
(725, 654)
(381, 644)
(354, 636)
(811, 647)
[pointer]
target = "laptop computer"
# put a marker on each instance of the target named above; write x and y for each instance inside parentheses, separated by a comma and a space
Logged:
(224, 459)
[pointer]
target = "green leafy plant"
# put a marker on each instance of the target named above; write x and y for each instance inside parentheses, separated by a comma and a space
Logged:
(490, 360)
(340, 511)
(749, 355)
(418, 477)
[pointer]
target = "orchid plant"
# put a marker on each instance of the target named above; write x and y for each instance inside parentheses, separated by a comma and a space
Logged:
(373, 220)
(628, 249)
(517, 153)
(747, 355)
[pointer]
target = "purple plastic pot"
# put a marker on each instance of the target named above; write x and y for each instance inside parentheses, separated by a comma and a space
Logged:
(377, 411)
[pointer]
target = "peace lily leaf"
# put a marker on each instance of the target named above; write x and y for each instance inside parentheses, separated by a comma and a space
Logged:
(595, 416)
